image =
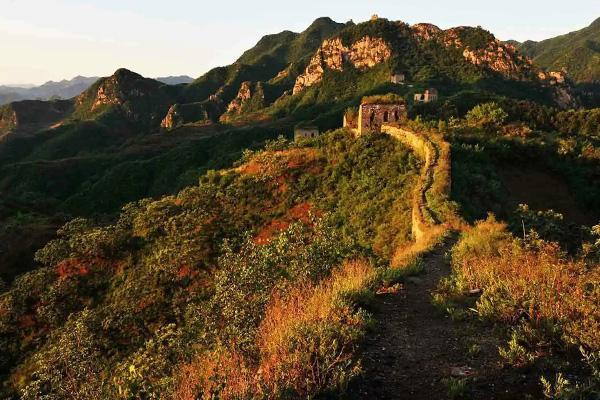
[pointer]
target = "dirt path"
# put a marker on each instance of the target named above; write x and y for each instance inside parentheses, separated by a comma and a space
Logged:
(415, 350)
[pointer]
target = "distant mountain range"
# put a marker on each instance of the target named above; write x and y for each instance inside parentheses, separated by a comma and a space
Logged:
(65, 89)
(175, 80)
(577, 52)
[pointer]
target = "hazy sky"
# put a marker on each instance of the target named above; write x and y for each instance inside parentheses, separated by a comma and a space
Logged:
(44, 40)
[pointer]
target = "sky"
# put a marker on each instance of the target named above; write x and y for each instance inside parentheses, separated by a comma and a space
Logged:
(43, 40)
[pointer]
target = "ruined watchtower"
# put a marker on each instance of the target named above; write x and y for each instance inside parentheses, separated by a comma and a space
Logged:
(430, 95)
(376, 111)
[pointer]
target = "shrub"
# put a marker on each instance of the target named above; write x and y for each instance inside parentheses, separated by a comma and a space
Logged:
(487, 115)
(306, 344)
(554, 295)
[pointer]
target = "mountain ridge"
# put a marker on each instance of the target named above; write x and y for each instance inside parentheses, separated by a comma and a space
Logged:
(577, 52)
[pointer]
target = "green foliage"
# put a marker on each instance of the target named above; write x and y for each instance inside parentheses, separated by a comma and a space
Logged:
(185, 274)
(487, 115)
(361, 188)
(392, 276)
(547, 225)
(515, 353)
(78, 239)
(390, 98)
(456, 388)
(579, 122)
(147, 373)
(70, 365)
(563, 389)
(247, 277)
(578, 52)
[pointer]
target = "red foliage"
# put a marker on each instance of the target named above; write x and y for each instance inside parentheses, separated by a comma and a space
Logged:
(144, 303)
(26, 321)
(300, 212)
(72, 267)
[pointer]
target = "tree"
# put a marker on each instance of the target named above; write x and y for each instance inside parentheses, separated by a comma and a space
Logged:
(487, 115)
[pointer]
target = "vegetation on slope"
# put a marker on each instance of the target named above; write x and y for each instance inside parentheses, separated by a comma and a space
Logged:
(578, 52)
(250, 283)
(177, 294)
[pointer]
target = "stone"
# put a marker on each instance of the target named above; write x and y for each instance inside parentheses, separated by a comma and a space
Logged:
(372, 116)
(363, 54)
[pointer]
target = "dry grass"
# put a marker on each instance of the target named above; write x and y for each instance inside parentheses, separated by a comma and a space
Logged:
(308, 337)
(205, 376)
(536, 284)
(306, 342)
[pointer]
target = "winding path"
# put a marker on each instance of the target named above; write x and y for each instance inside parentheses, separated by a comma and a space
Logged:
(415, 350)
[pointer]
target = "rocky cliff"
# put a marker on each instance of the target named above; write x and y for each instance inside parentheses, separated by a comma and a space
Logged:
(136, 97)
(203, 112)
(248, 93)
(333, 54)
(29, 116)
(479, 48)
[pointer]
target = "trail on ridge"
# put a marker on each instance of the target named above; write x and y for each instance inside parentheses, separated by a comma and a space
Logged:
(415, 350)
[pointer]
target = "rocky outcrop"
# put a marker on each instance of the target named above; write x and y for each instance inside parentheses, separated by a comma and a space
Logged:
(172, 119)
(553, 77)
(250, 97)
(500, 58)
(425, 31)
(29, 116)
(203, 112)
(8, 120)
(139, 99)
(368, 52)
(117, 89)
(245, 94)
(479, 48)
(333, 54)
(564, 97)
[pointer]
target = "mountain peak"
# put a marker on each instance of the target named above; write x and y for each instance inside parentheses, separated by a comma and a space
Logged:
(125, 74)
(320, 22)
(595, 24)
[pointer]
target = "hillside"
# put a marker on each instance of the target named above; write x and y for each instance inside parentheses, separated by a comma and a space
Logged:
(128, 137)
(66, 89)
(577, 52)
(459, 61)
(287, 248)
(175, 80)
(172, 241)
(268, 208)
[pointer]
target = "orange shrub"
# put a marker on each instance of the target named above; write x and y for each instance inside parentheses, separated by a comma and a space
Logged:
(219, 374)
(306, 344)
(537, 283)
(308, 337)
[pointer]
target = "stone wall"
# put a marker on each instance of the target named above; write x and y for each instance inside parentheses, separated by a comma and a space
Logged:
(434, 181)
(371, 117)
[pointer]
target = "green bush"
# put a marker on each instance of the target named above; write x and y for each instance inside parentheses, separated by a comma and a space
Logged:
(487, 115)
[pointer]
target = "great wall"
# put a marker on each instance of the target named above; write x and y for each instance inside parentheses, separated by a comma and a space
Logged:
(431, 211)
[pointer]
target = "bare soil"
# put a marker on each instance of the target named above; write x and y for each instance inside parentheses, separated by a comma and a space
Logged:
(416, 349)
